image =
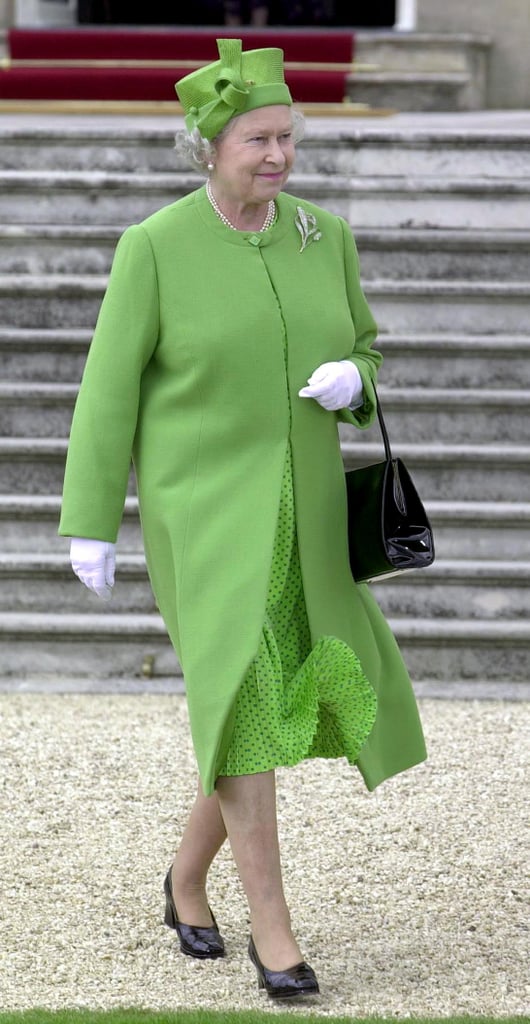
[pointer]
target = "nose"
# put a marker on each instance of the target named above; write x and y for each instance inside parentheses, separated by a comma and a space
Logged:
(275, 153)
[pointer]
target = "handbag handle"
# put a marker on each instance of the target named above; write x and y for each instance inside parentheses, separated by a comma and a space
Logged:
(399, 494)
(386, 440)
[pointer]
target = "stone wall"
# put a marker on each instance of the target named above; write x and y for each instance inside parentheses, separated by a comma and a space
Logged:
(37, 12)
(7, 13)
(508, 26)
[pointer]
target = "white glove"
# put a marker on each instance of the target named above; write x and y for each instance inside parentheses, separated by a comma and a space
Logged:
(93, 562)
(335, 386)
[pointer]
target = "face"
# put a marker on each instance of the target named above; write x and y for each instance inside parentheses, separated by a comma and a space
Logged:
(254, 158)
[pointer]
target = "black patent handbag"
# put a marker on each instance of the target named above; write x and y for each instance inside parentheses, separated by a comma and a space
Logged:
(388, 527)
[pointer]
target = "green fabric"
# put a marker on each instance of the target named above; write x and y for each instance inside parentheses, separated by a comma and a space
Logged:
(187, 370)
(233, 85)
(296, 702)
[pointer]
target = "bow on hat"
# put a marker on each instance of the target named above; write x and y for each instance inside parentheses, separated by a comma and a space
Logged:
(229, 84)
(214, 94)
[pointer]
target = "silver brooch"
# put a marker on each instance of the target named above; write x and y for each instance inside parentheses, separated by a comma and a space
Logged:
(307, 226)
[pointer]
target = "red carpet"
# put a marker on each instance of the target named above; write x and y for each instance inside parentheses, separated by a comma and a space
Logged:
(53, 82)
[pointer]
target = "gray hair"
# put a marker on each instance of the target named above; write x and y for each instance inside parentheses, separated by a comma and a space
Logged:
(200, 151)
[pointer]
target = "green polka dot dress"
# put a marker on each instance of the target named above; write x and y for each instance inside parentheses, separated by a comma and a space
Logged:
(297, 702)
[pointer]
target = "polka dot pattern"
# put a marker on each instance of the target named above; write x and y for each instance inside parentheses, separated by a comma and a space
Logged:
(297, 702)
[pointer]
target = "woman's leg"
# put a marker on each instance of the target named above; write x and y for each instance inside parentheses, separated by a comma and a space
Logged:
(248, 807)
(203, 837)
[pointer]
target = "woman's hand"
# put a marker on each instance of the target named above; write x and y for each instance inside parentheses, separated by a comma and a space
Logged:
(335, 386)
(93, 562)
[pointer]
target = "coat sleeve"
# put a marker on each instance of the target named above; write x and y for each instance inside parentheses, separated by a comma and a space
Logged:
(366, 359)
(104, 422)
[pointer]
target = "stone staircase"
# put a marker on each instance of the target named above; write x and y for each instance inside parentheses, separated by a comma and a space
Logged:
(420, 70)
(444, 238)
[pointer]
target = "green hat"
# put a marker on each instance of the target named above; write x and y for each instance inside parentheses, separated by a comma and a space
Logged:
(236, 83)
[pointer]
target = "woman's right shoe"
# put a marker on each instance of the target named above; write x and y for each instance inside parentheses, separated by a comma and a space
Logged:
(299, 980)
(203, 943)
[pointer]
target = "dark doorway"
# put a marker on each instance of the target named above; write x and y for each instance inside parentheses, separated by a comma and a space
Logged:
(356, 13)
(373, 14)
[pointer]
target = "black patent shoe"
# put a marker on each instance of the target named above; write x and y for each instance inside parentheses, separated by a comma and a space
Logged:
(203, 943)
(299, 980)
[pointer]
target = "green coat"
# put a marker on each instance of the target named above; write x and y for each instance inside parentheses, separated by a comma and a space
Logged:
(187, 371)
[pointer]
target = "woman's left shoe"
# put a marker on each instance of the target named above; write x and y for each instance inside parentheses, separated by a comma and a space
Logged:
(203, 943)
(299, 980)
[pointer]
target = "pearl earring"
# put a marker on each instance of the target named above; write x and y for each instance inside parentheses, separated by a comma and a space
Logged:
(210, 166)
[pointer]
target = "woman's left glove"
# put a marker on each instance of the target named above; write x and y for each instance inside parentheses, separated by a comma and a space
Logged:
(93, 562)
(335, 386)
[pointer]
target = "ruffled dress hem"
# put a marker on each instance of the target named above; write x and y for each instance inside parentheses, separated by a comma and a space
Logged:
(327, 710)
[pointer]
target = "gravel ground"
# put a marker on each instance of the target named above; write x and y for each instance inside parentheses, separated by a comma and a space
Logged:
(412, 900)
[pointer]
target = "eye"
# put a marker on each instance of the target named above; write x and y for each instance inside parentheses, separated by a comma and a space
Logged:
(286, 135)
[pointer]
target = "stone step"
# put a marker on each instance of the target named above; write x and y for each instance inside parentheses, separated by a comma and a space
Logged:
(121, 145)
(452, 415)
(34, 519)
(414, 201)
(34, 582)
(149, 685)
(415, 144)
(95, 644)
(480, 530)
(459, 589)
(477, 307)
(414, 90)
(57, 248)
(101, 645)
(420, 51)
(34, 465)
(450, 360)
(40, 354)
(432, 689)
(453, 360)
(61, 683)
(422, 71)
(386, 201)
(462, 529)
(499, 422)
(444, 254)
(411, 414)
(43, 301)
(455, 472)
(453, 650)
(420, 305)
(389, 253)
(36, 410)
(88, 197)
(31, 466)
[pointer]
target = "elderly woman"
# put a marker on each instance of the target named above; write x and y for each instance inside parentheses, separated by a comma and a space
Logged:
(233, 336)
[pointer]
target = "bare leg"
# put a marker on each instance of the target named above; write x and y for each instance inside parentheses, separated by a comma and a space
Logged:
(248, 806)
(203, 837)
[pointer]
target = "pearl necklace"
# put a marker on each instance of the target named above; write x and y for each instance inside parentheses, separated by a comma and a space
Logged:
(267, 223)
